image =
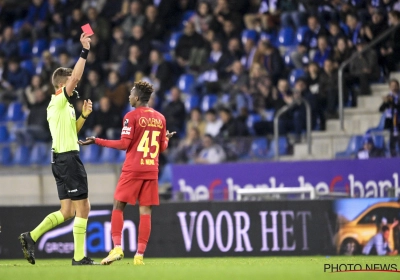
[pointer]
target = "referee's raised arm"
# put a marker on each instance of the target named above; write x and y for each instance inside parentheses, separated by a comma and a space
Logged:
(79, 66)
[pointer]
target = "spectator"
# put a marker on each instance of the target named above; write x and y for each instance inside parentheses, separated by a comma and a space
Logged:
(8, 44)
(115, 11)
(218, 62)
(213, 124)
(94, 88)
(55, 7)
(93, 63)
(313, 77)
(74, 31)
(364, 68)
(65, 60)
(391, 109)
(57, 28)
(116, 91)
(135, 17)
(334, 33)
(229, 31)
(119, 47)
(369, 150)
(47, 69)
(37, 128)
(96, 4)
(138, 38)
(379, 244)
(236, 86)
(196, 120)
(377, 26)
(132, 64)
(323, 52)
(17, 77)
(356, 32)
(315, 31)
(153, 26)
(30, 95)
(222, 12)
(37, 13)
(300, 57)
(189, 147)
(174, 112)
(203, 17)
(341, 52)
(230, 126)
(190, 46)
(100, 26)
(160, 74)
(328, 90)
(107, 123)
(261, 89)
(291, 14)
(234, 49)
(168, 9)
(390, 51)
(268, 56)
(211, 153)
(248, 55)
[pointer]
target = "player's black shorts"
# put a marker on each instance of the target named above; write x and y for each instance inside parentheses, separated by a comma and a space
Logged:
(70, 175)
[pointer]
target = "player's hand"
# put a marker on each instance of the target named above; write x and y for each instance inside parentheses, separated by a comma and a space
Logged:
(87, 107)
(89, 141)
(170, 134)
(85, 40)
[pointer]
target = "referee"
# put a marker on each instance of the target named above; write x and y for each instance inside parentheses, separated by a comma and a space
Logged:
(67, 167)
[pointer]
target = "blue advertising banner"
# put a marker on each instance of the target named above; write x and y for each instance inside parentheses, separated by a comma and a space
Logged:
(359, 178)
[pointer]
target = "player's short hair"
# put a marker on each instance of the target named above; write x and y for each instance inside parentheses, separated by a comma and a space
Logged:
(385, 228)
(60, 76)
(144, 90)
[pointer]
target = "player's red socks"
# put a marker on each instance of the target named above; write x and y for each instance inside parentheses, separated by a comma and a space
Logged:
(144, 233)
(117, 223)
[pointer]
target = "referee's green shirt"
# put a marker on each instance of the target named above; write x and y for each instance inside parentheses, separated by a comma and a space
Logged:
(62, 122)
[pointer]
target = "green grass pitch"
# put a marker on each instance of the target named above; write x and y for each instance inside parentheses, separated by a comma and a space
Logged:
(230, 268)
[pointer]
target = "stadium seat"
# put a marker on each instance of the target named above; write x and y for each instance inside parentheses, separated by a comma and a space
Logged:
(90, 154)
(168, 57)
(14, 112)
(259, 148)
(3, 109)
(40, 154)
(56, 45)
(301, 31)
(288, 57)
(282, 149)
(185, 17)
(286, 37)
(208, 102)
(296, 74)
(121, 156)
(38, 47)
(249, 34)
(354, 145)
(379, 127)
(173, 40)
(4, 136)
(29, 66)
(5, 155)
(17, 26)
(269, 36)
(253, 118)
(21, 155)
(25, 49)
(166, 175)
(191, 102)
(379, 141)
(186, 83)
(108, 155)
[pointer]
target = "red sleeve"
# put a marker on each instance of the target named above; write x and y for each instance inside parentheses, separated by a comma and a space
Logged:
(121, 144)
(164, 139)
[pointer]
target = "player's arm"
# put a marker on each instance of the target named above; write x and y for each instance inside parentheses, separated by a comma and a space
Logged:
(86, 111)
(79, 66)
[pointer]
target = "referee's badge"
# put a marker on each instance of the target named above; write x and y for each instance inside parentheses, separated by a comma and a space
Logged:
(126, 122)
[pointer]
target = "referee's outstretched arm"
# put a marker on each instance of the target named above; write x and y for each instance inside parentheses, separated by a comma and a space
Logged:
(79, 66)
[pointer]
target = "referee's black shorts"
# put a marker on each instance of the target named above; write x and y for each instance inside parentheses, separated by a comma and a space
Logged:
(70, 175)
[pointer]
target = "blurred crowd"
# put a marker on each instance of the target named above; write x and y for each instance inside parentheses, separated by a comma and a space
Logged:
(221, 69)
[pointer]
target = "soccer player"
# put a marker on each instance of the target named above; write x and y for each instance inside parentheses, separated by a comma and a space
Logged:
(68, 170)
(143, 136)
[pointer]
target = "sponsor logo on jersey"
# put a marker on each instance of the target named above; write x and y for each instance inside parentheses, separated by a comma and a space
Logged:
(126, 122)
(152, 122)
(126, 131)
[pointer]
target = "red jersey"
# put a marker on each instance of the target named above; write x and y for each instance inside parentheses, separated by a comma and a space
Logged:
(146, 129)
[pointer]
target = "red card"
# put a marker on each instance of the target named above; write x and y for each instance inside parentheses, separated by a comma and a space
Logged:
(87, 29)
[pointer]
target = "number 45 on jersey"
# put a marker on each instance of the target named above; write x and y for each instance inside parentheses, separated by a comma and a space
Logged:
(149, 137)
